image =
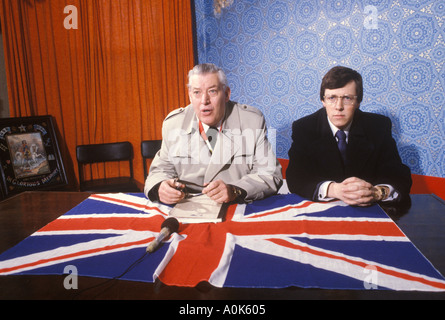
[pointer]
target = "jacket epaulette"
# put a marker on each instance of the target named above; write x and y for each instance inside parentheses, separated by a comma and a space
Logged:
(174, 113)
(250, 109)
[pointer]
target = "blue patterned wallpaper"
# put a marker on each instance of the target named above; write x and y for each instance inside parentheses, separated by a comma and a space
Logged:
(276, 52)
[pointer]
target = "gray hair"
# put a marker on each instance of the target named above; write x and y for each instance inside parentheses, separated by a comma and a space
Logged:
(206, 68)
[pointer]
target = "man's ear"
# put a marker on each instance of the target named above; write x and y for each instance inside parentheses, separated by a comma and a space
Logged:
(228, 92)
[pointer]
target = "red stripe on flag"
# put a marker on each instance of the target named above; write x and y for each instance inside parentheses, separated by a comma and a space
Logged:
(197, 258)
(369, 228)
(286, 208)
(98, 223)
(76, 254)
(128, 203)
(393, 273)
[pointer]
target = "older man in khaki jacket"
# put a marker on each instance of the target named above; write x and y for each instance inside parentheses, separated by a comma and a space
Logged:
(213, 146)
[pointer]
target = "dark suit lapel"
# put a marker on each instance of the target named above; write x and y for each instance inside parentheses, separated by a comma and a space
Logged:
(325, 145)
(360, 148)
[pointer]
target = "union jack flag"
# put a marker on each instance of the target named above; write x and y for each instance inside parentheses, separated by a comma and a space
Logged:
(277, 242)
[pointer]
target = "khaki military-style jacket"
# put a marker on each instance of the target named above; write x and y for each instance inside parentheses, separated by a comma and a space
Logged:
(242, 156)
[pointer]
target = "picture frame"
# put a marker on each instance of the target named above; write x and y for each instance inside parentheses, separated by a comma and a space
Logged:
(30, 158)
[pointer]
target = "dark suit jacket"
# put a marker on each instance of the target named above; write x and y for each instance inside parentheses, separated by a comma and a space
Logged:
(372, 155)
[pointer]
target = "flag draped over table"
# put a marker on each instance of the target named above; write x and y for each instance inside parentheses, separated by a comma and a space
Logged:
(277, 242)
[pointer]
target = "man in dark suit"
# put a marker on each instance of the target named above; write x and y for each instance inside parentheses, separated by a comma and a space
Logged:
(341, 152)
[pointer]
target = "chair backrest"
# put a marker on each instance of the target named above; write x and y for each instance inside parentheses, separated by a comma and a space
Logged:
(104, 152)
(149, 148)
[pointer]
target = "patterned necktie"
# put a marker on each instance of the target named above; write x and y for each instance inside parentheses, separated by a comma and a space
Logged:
(212, 135)
(341, 136)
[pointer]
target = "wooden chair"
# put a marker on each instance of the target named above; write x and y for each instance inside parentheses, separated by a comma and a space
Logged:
(103, 153)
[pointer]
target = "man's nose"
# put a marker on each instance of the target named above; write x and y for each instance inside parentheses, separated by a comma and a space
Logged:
(339, 103)
(205, 99)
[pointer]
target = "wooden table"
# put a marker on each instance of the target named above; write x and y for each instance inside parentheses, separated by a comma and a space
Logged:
(23, 214)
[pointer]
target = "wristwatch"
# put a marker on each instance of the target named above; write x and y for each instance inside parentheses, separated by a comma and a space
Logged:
(382, 193)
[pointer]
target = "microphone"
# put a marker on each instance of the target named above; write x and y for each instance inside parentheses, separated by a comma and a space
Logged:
(169, 226)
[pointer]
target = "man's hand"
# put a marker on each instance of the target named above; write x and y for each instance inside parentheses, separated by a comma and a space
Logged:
(353, 191)
(170, 191)
(219, 191)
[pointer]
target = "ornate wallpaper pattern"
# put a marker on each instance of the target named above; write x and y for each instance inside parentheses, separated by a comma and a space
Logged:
(276, 52)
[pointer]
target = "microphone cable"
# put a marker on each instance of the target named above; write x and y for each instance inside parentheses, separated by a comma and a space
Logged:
(134, 264)
(171, 224)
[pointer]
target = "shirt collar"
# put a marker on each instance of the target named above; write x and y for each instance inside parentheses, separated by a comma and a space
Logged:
(206, 127)
(334, 129)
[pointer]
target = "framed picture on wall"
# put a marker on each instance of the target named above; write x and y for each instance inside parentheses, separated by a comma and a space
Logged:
(30, 158)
